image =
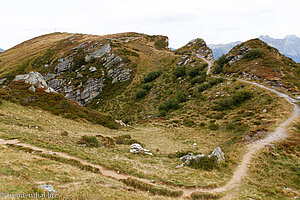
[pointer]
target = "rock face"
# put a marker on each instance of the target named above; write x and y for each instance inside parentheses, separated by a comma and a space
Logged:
(36, 80)
(82, 78)
(98, 53)
(137, 148)
(240, 55)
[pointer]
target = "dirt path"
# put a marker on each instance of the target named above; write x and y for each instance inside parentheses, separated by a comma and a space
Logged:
(207, 61)
(238, 175)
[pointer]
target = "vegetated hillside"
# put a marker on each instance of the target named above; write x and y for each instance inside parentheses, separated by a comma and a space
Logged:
(256, 60)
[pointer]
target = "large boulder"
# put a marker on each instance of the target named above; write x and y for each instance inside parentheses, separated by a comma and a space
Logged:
(47, 188)
(137, 148)
(98, 53)
(219, 154)
(35, 79)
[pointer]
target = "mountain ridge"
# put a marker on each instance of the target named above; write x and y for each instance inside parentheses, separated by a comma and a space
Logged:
(289, 46)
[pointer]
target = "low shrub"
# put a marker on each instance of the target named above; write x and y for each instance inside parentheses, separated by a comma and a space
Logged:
(205, 162)
(254, 54)
(125, 139)
(188, 122)
(198, 79)
(89, 141)
(204, 196)
(196, 70)
(179, 71)
(152, 76)
(203, 86)
(147, 86)
(126, 120)
(241, 96)
(141, 94)
(180, 97)
(213, 127)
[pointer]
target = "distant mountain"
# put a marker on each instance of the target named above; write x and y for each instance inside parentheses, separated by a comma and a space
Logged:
(289, 46)
(220, 49)
(1, 50)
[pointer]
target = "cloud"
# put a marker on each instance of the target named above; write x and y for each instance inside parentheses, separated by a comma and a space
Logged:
(215, 21)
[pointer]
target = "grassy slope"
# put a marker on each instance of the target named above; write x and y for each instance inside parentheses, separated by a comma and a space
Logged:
(21, 122)
(275, 172)
(271, 66)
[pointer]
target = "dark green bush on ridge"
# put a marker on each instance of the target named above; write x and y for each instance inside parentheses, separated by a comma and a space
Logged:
(218, 68)
(89, 141)
(151, 76)
(254, 54)
(141, 94)
(168, 105)
(179, 71)
(180, 97)
(147, 86)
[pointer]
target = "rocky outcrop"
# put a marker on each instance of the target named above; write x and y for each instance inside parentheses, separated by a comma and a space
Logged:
(36, 80)
(218, 153)
(98, 53)
(63, 65)
(137, 149)
(239, 56)
(187, 159)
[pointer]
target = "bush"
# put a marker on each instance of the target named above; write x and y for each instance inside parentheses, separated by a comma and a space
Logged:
(213, 127)
(215, 81)
(166, 106)
(241, 96)
(126, 120)
(141, 94)
(125, 139)
(162, 113)
(198, 79)
(188, 123)
(205, 162)
(152, 76)
(254, 54)
(196, 70)
(89, 141)
(224, 103)
(180, 97)
(179, 71)
(217, 69)
(147, 86)
(172, 104)
(203, 87)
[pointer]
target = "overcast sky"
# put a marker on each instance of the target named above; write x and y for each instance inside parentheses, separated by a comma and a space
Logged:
(216, 21)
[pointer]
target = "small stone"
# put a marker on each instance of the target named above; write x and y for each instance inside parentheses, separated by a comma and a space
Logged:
(47, 188)
(265, 110)
(137, 148)
(32, 88)
(93, 69)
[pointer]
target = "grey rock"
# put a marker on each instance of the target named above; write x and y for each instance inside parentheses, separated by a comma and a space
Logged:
(63, 65)
(2, 80)
(79, 76)
(32, 88)
(181, 165)
(92, 89)
(218, 153)
(56, 84)
(137, 148)
(113, 62)
(33, 78)
(47, 188)
(49, 77)
(98, 53)
(80, 46)
(92, 69)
